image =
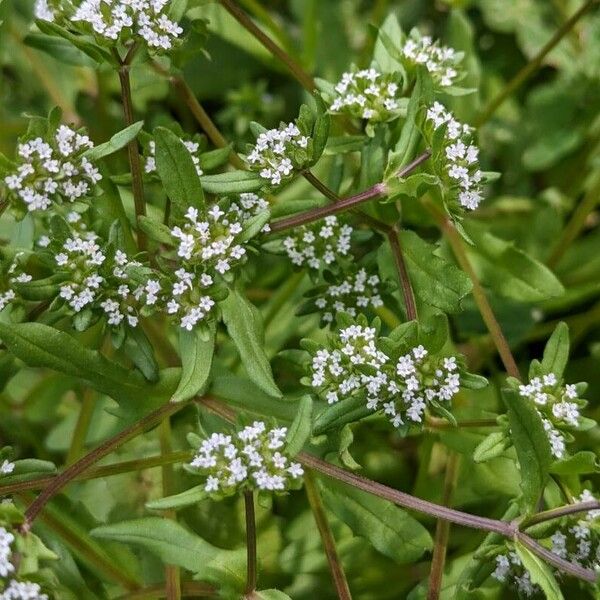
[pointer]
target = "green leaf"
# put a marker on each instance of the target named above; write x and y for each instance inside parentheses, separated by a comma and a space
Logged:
(178, 172)
(175, 545)
(492, 446)
(556, 352)
(196, 349)
(59, 49)
(435, 281)
(300, 429)
(540, 572)
(29, 468)
(116, 142)
(232, 182)
(271, 595)
(508, 270)
(531, 443)
(583, 462)
(245, 327)
(390, 530)
(140, 351)
(187, 498)
(155, 230)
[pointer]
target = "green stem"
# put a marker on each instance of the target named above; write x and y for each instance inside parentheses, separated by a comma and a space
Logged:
(533, 65)
(71, 472)
(135, 164)
(82, 426)
(303, 78)
(576, 222)
(442, 531)
(557, 513)
(479, 296)
(403, 277)
(251, 564)
(335, 564)
(119, 468)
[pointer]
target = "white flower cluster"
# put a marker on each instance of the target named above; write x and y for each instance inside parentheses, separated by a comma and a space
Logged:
(278, 153)
(402, 388)
(208, 250)
(319, 244)
(558, 406)
(49, 170)
(23, 590)
(249, 205)
(6, 539)
(510, 570)
(366, 94)
(440, 61)
(7, 467)
(192, 147)
(6, 298)
(357, 291)
(120, 20)
(253, 458)
(460, 155)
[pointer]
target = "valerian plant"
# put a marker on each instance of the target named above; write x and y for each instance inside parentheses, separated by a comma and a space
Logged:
(335, 353)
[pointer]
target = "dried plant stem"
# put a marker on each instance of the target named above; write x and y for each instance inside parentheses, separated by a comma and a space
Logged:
(405, 284)
(135, 164)
(479, 295)
(71, 472)
(442, 531)
(335, 564)
(303, 78)
(533, 65)
(251, 564)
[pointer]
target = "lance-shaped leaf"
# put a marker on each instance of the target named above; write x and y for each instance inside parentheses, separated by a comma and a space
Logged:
(187, 498)
(178, 172)
(389, 529)
(175, 545)
(508, 270)
(245, 327)
(116, 142)
(435, 281)
(232, 182)
(531, 443)
(556, 352)
(38, 345)
(300, 429)
(539, 572)
(196, 349)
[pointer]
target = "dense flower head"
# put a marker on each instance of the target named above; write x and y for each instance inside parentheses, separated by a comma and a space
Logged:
(192, 147)
(510, 570)
(252, 458)
(402, 386)
(558, 405)
(319, 244)
(357, 292)
(279, 153)
(6, 539)
(22, 590)
(459, 156)
(367, 94)
(248, 205)
(442, 62)
(52, 169)
(208, 250)
(119, 20)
